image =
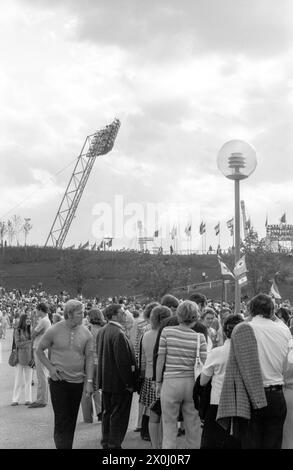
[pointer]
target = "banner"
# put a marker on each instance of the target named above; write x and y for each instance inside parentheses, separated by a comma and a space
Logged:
(225, 271)
(240, 267)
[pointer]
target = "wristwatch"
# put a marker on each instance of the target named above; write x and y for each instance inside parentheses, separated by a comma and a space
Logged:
(90, 380)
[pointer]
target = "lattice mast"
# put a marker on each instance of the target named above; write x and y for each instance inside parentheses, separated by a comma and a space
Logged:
(99, 143)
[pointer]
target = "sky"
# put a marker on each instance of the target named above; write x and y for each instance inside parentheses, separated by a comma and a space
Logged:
(183, 78)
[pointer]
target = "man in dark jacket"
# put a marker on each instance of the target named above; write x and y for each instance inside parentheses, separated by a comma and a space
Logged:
(116, 377)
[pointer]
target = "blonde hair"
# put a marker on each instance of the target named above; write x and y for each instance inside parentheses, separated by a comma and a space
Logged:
(71, 306)
(187, 312)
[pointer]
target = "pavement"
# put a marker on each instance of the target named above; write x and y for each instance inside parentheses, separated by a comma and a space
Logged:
(25, 428)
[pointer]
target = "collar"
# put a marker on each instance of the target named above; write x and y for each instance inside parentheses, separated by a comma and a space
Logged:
(259, 319)
(116, 324)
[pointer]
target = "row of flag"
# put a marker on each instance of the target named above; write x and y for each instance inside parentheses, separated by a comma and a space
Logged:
(202, 229)
(105, 243)
(217, 228)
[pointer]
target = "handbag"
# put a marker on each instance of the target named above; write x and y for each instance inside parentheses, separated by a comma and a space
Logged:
(198, 365)
(13, 359)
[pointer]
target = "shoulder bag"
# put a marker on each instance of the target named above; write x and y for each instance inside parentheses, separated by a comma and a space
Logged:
(198, 365)
(13, 359)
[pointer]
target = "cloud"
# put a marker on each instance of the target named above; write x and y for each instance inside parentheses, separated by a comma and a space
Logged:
(183, 77)
(164, 30)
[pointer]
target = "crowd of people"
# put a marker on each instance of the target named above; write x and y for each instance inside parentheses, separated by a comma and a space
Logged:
(199, 370)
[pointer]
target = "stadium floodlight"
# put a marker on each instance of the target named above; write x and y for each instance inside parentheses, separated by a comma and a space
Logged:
(99, 143)
(237, 160)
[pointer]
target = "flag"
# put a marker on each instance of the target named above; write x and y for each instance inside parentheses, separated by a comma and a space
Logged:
(283, 218)
(188, 229)
(225, 271)
(240, 267)
(174, 232)
(202, 228)
(156, 233)
(86, 245)
(274, 291)
(217, 228)
(230, 223)
(242, 281)
(94, 246)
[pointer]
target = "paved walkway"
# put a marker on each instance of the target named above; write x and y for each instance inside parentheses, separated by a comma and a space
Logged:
(24, 428)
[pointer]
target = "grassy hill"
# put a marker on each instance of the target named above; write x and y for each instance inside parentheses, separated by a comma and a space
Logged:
(108, 273)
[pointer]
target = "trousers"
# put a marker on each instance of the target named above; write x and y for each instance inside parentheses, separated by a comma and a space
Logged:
(115, 418)
(65, 397)
(22, 383)
(42, 376)
(176, 392)
(265, 428)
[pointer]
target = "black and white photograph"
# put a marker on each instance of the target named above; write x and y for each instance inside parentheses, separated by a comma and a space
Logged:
(146, 227)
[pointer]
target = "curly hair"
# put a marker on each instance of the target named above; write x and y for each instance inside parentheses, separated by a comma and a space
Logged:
(230, 322)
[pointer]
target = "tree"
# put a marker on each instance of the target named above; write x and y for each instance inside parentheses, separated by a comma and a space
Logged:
(10, 231)
(17, 227)
(73, 270)
(26, 228)
(3, 230)
(261, 263)
(157, 276)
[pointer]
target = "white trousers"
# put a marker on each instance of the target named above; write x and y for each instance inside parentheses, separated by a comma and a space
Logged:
(22, 383)
(176, 392)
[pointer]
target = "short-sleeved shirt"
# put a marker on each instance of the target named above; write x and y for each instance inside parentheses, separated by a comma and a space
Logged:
(273, 345)
(215, 367)
(69, 348)
(42, 326)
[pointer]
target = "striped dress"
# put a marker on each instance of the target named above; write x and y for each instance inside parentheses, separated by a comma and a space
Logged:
(179, 344)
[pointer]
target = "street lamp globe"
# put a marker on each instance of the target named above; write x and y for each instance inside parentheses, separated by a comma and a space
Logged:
(237, 159)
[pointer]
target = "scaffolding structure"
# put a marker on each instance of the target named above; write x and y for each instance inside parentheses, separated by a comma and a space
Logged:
(97, 144)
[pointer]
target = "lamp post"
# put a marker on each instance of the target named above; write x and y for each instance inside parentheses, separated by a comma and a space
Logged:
(237, 160)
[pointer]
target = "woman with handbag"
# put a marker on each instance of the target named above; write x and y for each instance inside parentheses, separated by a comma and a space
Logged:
(175, 375)
(213, 435)
(23, 369)
(148, 392)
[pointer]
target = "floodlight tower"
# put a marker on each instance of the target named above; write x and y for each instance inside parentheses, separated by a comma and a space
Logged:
(99, 143)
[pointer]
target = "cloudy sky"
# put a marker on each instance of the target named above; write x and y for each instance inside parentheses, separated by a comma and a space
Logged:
(183, 78)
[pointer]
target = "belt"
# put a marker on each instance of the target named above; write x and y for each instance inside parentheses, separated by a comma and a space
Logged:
(273, 388)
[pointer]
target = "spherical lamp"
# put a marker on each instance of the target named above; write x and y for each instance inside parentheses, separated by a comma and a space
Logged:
(237, 160)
